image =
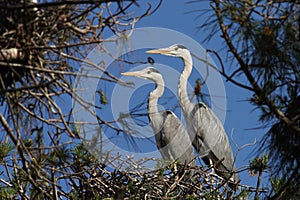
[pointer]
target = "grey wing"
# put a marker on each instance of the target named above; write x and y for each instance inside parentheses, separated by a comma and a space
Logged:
(161, 145)
(211, 131)
(177, 139)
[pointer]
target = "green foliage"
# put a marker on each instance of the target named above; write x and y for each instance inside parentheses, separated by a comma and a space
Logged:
(284, 190)
(276, 183)
(7, 193)
(212, 195)
(81, 154)
(243, 194)
(258, 164)
(36, 194)
(75, 128)
(5, 149)
(58, 155)
(103, 98)
(284, 140)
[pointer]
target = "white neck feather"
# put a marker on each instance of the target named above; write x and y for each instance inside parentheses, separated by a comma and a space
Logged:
(153, 100)
(184, 100)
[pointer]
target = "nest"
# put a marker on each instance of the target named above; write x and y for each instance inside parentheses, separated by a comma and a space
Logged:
(26, 32)
(12, 22)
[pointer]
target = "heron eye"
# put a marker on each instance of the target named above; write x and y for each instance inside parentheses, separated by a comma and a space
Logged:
(150, 60)
(148, 72)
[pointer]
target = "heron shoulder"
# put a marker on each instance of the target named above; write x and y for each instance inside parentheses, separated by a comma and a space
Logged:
(199, 106)
(175, 135)
(167, 112)
(171, 121)
(169, 118)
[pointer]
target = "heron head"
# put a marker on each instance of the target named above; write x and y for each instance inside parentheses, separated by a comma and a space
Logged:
(176, 50)
(149, 73)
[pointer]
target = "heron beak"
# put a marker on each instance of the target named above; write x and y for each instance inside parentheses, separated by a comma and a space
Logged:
(130, 74)
(158, 51)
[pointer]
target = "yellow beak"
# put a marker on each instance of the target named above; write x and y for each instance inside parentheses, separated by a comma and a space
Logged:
(158, 51)
(130, 74)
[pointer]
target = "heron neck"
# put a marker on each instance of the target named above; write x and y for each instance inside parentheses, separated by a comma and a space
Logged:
(184, 100)
(153, 99)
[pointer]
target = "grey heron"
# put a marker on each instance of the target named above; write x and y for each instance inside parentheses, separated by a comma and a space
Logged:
(172, 140)
(205, 129)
